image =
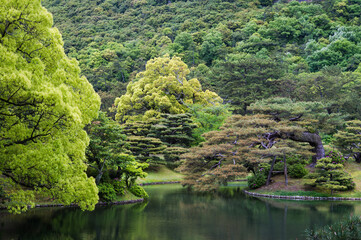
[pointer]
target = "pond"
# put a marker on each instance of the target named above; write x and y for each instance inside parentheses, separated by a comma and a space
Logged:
(172, 213)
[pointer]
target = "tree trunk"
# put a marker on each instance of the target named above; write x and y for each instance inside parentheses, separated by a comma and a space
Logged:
(357, 157)
(270, 171)
(314, 140)
(100, 174)
(98, 177)
(285, 169)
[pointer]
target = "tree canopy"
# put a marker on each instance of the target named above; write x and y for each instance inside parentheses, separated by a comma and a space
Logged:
(162, 88)
(44, 106)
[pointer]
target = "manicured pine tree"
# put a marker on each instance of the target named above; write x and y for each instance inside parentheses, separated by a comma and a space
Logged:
(250, 140)
(160, 140)
(332, 176)
(349, 140)
(299, 121)
(174, 129)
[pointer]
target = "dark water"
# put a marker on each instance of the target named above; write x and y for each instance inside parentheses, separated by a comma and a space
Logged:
(172, 214)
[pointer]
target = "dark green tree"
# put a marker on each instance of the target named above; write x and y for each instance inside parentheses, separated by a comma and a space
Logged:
(349, 140)
(332, 176)
(107, 150)
(243, 80)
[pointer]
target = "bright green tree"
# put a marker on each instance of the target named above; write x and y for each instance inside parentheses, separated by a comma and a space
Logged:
(208, 119)
(162, 88)
(44, 106)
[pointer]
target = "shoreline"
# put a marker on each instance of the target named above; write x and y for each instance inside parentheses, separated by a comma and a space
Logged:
(301, 198)
(101, 203)
(158, 183)
(75, 205)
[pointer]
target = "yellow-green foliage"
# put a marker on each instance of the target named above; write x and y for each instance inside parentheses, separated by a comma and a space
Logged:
(162, 88)
(44, 106)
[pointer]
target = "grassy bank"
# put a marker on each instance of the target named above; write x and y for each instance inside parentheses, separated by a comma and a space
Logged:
(162, 174)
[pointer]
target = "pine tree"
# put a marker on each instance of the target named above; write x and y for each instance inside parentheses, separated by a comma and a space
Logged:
(349, 140)
(332, 176)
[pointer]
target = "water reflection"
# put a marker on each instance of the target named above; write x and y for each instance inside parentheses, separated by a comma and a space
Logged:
(173, 213)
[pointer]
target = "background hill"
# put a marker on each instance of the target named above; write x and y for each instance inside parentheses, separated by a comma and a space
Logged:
(243, 50)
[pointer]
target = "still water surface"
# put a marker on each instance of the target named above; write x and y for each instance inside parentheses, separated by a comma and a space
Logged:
(172, 213)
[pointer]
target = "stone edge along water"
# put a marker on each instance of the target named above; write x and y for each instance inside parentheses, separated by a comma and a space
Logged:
(301, 197)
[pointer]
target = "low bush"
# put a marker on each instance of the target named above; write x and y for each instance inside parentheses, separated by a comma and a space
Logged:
(138, 191)
(264, 168)
(297, 171)
(349, 229)
(107, 192)
(257, 181)
(119, 187)
(311, 176)
(336, 157)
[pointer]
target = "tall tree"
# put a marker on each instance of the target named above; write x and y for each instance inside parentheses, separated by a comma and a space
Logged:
(107, 150)
(162, 88)
(44, 106)
(242, 80)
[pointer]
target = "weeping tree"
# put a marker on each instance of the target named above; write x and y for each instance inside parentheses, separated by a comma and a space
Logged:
(240, 146)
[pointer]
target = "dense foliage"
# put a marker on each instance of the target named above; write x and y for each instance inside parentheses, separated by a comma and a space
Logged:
(331, 175)
(165, 69)
(162, 88)
(349, 229)
(243, 50)
(44, 106)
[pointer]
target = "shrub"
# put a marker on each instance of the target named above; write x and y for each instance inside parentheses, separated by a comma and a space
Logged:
(312, 176)
(264, 168)
(296, 159)
(348, 229)
(119, 187)
(297, 171)
(138, 191)
(332, 176)
(336, 157)
(279, 166)
(256, 181)
(3, 195)
(107, 192)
